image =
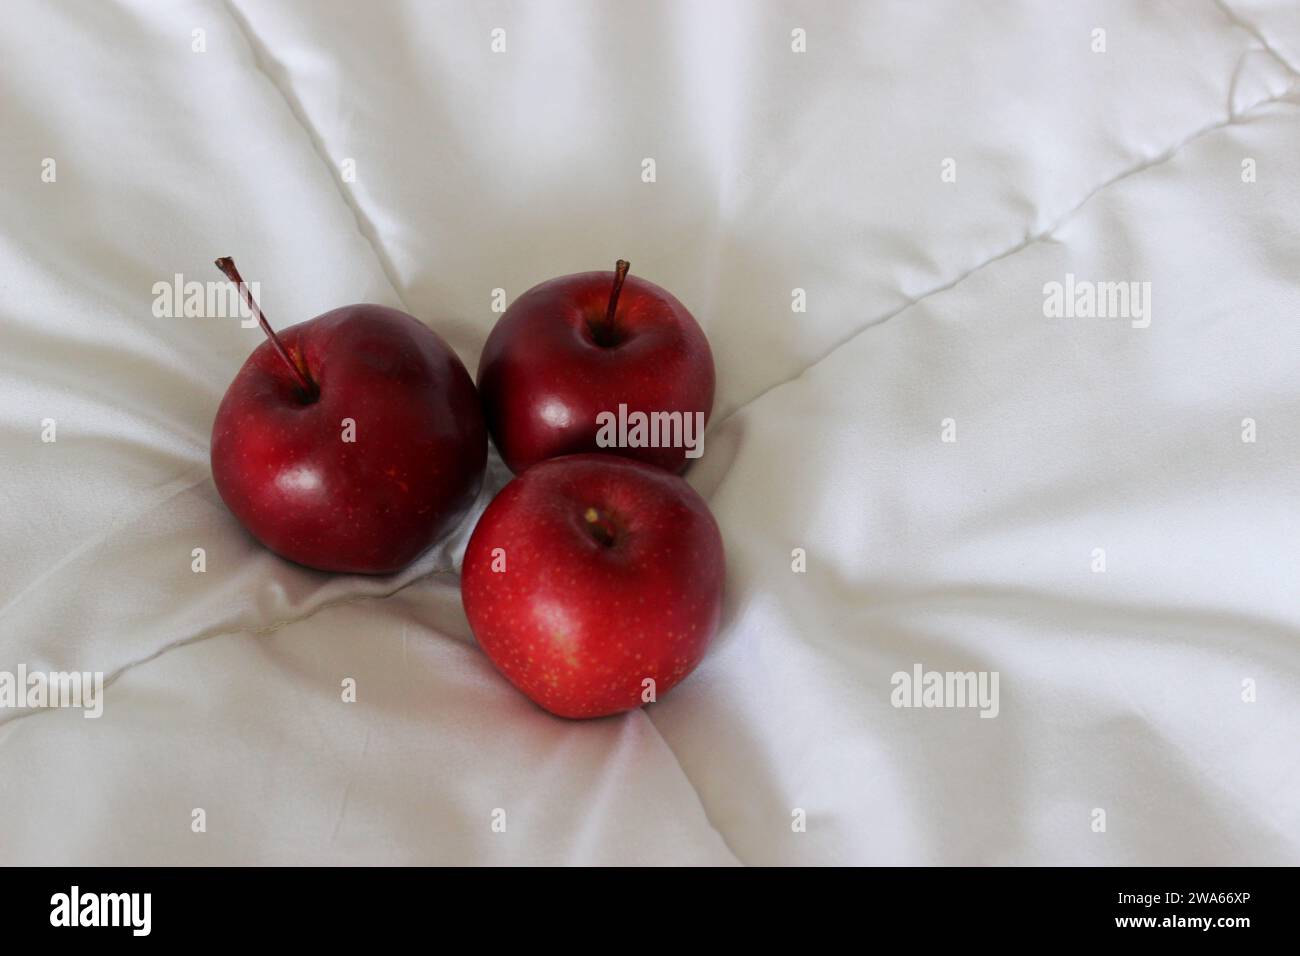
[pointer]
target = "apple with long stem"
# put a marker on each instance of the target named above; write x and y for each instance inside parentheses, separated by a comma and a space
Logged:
(349, 442)
(577, 347)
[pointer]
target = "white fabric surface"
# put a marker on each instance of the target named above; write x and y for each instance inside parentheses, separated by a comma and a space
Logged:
(776, 170)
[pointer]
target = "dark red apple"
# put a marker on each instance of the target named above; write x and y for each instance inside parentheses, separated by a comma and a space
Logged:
(579, 346)
(594, 582)
(349, 442)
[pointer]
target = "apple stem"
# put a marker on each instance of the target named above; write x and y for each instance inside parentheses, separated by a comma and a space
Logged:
(599, 528)
(310, 390)
(620, 273)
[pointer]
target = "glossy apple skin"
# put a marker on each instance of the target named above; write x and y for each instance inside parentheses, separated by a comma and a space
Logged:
(544, 377)
(578, 621)
(369, 506)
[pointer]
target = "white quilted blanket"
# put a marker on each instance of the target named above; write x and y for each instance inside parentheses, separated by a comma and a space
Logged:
(1100, 506)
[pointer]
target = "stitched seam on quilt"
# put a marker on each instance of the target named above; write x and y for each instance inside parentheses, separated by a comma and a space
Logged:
(256, 630)
(1257, 33)
(365, 227)
(699, 797)
(1025, 243)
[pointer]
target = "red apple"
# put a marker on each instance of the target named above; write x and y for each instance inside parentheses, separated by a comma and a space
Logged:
(579, 346)
(349, 442)
(588, 576)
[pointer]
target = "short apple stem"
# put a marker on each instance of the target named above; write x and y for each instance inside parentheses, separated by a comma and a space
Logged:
(310, 390)
(598, 526)
(620, 273)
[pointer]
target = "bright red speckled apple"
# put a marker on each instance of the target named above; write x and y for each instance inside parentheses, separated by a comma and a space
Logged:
(591, 574)
(280, 455)
(574, 347)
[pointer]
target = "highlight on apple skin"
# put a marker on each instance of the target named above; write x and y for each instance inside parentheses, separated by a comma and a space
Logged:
(579, 346)
(594, 583)
(350, 442)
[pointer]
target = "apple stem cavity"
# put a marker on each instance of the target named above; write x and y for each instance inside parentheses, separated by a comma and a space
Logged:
(599, 528)
(309, 389)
